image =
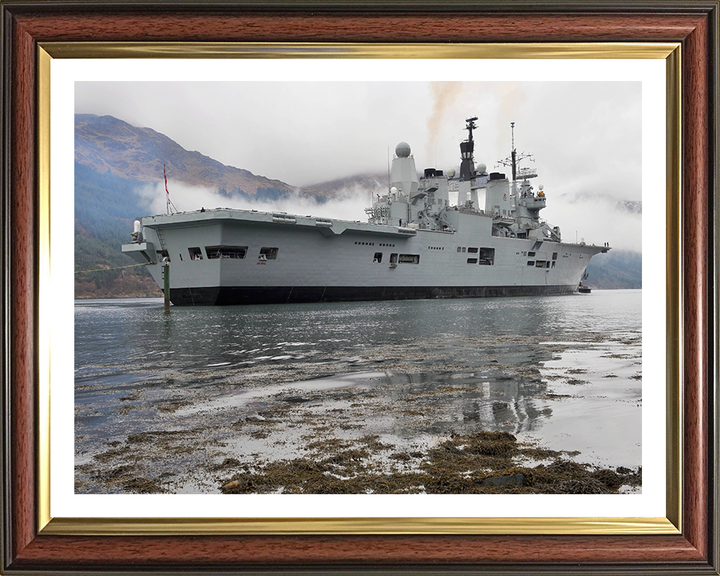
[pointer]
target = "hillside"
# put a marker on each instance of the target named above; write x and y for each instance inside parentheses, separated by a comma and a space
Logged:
(104, 143)
(360, 184)
(105, 208)
(616, 269)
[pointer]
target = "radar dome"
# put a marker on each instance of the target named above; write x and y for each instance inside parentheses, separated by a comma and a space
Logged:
(481, 168)
(402, 150)
(451, 173)
(541, 187)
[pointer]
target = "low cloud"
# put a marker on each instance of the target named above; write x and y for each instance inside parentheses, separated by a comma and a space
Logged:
(596, 218)
(348, 205)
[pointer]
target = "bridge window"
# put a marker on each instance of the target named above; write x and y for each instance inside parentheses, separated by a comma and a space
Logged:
(472, 250)
(531, 263)
(472, 260)
(195, 253)
(235, 252)
(540, 264)
(377, 259)
(486, 257)
(409, 259)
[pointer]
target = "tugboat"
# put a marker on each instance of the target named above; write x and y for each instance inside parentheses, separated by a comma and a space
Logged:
(582, 288)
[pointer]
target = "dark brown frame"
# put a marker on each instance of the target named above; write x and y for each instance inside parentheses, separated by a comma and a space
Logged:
(692, 23)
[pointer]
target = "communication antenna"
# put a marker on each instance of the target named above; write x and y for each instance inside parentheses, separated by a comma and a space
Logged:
(514, 159)
(169, 206)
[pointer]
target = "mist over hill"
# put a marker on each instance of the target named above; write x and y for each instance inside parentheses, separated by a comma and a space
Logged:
(119, 177)
(106, 144)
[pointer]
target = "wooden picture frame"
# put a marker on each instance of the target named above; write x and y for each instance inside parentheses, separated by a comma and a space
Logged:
(28, 546)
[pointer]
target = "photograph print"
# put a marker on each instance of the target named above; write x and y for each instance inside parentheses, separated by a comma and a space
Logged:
(358, 287)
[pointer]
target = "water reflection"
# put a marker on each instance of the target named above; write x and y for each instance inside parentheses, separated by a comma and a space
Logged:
(440, 403)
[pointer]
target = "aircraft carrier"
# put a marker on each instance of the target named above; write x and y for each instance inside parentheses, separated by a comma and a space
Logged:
(415, 243)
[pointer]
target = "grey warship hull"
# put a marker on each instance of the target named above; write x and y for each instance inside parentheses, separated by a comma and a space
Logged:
(229, 256)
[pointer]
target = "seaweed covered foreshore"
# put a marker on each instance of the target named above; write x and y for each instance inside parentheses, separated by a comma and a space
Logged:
(478, 463)
(443, 417)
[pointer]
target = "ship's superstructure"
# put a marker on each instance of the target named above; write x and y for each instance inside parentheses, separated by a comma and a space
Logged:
(415, 244)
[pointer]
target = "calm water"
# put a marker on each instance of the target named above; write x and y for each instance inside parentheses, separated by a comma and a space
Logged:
(582, 354)
(127, 339)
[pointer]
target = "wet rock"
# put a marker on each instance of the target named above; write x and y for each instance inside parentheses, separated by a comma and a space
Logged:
(583, 486)
(372, 441)
(446, 482)
(401, 456)
(347, 457)
(111, 455)
(609, 478)
(295, 399)
(142, 485)
(498, 481)
(118, 472)
(491, 443)
(245, 485)
(567, 467)
(629, 477)
(228, 463)
(153, 436)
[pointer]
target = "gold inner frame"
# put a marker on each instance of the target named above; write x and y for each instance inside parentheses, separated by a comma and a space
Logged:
(671, 524)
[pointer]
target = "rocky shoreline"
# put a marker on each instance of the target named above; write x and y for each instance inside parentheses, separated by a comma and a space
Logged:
(401, 420)
(478, 463)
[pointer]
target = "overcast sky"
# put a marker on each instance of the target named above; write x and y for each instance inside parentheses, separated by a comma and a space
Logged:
(584, 136)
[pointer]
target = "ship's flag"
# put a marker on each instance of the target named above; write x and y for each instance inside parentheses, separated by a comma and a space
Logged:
(169, 204)
(167, 192)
